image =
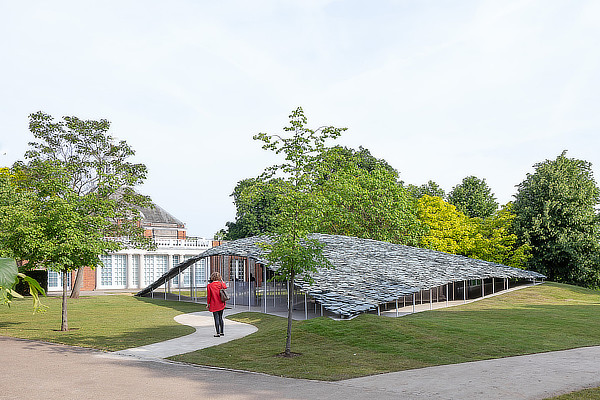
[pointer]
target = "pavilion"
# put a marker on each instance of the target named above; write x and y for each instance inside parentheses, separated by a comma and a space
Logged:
(367, 276)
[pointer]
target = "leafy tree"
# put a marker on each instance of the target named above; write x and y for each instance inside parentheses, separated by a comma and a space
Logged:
(290, 250)
(449, 230)
(473, 197)
(495, 241)
(430, 188)
(256, 203)
(556, 214)
(365, 203)
(77, 186)
(488, 239)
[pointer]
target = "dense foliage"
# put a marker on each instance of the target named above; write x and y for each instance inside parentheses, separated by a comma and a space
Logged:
(556, 214)
(74, 189)
(473, 197)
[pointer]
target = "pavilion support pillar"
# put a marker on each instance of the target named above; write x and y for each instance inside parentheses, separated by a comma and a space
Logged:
(413, 303)
(465, 291)
(396, 307)
(447, 294)
(482, 287)
(265, 287)
(305, 306)
(430, 299)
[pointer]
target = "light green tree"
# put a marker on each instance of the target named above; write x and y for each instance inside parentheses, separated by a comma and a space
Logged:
(556, 211)
(489, 239)
(290, 250)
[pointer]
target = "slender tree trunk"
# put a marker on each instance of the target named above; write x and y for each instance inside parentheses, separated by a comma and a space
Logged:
(77, 284)
(288, 341)
(64, 326)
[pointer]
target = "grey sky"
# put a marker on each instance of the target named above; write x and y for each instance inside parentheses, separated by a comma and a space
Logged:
(440, 89)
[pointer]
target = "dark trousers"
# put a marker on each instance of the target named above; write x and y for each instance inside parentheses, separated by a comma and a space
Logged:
(218, 321)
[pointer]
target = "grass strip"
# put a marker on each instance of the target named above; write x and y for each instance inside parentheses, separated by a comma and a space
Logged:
(114, 322)
(537, 319)
(587, 394)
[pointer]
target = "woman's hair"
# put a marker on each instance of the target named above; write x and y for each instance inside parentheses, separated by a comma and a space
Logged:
(215, 276)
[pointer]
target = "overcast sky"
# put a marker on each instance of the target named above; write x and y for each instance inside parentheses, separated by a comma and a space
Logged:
(439, 89)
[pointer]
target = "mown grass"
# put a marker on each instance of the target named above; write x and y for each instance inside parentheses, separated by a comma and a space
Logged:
(110, 323)
(538, 319)
(588, 394)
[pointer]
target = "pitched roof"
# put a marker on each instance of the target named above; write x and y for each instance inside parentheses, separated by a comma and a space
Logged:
(367, 272)
(158, 216)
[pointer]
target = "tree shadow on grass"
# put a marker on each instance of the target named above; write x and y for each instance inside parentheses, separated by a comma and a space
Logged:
(174, 304)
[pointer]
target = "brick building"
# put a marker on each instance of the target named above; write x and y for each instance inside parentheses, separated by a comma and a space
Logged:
(134, 269)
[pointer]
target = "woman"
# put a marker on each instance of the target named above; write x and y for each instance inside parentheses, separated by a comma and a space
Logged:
(214, 302)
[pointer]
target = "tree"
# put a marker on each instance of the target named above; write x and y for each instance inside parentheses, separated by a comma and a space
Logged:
(449, 230)
(489, 239)
(430, 188)
(256, 204)
(366, 203)
(473, 197)
(77, 186)
(556, 214)
(290, 250)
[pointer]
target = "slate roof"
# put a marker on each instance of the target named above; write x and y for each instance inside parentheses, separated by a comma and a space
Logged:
(159, 216)
(367, 272)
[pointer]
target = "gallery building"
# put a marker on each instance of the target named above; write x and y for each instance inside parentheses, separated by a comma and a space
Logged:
(134, 269)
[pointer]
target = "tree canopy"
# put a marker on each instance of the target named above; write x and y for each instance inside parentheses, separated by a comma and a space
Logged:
(430, 188)
(473, 197)
(290, 250)
(556, 211)
(75, 189)
(490, 239)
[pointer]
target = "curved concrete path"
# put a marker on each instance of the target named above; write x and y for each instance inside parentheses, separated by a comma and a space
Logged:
(204, 324)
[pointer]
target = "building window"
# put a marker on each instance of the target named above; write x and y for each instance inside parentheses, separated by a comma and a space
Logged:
(119, 270)
(200, 267)
(162, 264)
(175, 263)
(148, 270)
(55, 280)
(237, 270)
(135, 259)
(106, 270)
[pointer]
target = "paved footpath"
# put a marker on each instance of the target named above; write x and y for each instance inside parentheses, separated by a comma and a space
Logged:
(64, 372)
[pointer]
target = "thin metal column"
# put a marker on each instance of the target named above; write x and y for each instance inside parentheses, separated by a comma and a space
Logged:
(249, 282)
(465, 291)
(265, 286)
(396, 307)
(482, 287)
(447, 294)
(430, 299)
(305, 306)
(413, 303)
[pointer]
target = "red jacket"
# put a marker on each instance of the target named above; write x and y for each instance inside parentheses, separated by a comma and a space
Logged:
(213, 297)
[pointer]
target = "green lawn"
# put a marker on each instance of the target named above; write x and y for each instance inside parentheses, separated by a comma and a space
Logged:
(588, 394)
(111, 323)
(542, 318)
